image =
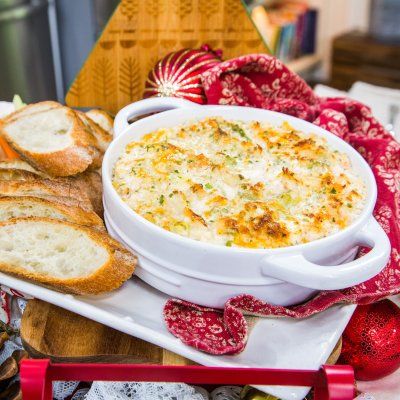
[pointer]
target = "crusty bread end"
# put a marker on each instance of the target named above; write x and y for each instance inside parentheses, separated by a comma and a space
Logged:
(64, 256)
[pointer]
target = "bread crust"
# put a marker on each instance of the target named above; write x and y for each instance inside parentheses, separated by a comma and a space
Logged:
(65, 192)
(68, 161)
(111, 275)
(89, 182)
(30, 110)
(84, 188)
(64, 188)
(18, 164)
(7, 174)
(101, 136)
(96, 113)
(72, 213)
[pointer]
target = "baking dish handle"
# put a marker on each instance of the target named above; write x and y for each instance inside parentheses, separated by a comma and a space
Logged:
(147, 106)
(298, 270)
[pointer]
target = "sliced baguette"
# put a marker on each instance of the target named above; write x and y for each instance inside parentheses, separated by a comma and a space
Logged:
(65, 256)
(90, 183)
(32, 109)
(7, 174)
(103, 119)
(20, 164)
(66, 193)
(85, 188)
(102, 137)
(44, 188)
(53, 140)
(29, 206)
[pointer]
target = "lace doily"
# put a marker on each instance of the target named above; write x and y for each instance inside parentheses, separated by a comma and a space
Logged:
(8, 348)
(80, 394)
(143, 391)
(62, 390)
(16, 307)
(226, 393)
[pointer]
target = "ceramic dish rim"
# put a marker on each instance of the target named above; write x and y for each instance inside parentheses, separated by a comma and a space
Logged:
(357, 224)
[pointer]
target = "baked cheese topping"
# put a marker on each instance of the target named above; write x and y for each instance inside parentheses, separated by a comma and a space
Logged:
(234, 183)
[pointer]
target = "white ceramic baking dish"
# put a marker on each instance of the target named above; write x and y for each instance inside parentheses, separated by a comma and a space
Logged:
(209, 274)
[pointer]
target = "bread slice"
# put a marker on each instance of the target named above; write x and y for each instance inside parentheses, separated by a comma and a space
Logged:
(45, 188)
(103, 119)
(32, 109)
(90, 183)
(16, 174)
(65, 256)
(21, 165)
(53, 140)
(49, 190)
(85, 188)
(26, 110)
(17, 169)
(103, 138)
(30, 206)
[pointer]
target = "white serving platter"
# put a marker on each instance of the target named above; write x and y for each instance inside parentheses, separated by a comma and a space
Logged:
(136, 309)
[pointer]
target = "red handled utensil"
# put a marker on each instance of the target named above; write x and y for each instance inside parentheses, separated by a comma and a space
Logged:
(330, 382)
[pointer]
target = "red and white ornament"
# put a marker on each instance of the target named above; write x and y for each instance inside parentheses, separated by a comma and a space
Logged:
(178, 74)
(371, 340)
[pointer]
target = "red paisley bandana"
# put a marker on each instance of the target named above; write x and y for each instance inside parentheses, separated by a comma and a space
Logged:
(264, 82)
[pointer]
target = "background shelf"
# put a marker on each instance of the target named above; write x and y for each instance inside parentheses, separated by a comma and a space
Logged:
(304, 63)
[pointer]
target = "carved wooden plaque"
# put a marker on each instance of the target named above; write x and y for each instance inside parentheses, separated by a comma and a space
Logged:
(141, 32)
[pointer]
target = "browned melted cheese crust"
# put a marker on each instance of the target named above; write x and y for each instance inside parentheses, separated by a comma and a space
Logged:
(235, 183)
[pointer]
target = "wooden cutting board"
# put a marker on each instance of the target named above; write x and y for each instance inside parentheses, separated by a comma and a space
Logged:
(141, 32)
(48, 331)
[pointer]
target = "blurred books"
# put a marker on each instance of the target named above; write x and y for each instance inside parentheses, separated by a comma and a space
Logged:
(287, 27)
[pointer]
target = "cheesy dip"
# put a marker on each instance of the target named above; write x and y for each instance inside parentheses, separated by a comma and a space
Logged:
(234, 183)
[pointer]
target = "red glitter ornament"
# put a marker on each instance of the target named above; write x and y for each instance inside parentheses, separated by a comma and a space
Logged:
(178, 74)
(371, 341)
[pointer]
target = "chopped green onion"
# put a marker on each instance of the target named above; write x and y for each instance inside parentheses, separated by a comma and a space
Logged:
(240, 131)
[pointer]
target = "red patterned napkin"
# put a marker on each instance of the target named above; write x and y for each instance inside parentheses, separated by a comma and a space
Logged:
(264, 82)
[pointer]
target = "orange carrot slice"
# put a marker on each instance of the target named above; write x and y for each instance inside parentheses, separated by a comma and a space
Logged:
(9, 152)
